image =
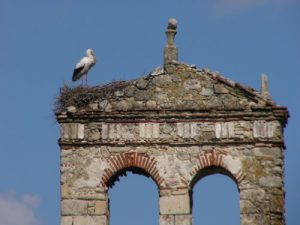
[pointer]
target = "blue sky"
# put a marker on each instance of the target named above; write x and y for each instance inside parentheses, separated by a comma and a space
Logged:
(42, 40)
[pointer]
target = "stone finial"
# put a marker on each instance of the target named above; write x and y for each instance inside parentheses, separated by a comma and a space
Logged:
(172, 24)
(264, 86)
(171, 51)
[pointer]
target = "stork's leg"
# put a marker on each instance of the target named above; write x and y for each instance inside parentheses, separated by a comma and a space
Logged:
(86, 81)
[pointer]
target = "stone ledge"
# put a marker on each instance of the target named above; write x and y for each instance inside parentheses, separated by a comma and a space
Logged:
(172, 116)
(78, 144)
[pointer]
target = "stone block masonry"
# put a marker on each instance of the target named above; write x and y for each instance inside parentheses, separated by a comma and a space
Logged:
(175, 126)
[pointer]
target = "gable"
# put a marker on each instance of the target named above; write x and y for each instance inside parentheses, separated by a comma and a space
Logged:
(175, 87)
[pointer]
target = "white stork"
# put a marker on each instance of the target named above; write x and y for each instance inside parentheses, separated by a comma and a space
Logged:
(84, 65)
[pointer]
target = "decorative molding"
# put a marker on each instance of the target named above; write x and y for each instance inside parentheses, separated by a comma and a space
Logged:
(224, 130)
(221, 159)
(131, 159)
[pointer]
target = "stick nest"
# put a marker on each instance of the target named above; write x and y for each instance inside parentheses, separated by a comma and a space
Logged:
(81, 96)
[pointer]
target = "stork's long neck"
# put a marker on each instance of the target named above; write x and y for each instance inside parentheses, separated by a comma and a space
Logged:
(91, 56)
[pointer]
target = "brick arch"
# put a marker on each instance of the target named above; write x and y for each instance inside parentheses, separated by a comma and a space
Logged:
(126, 160)
(220, 159)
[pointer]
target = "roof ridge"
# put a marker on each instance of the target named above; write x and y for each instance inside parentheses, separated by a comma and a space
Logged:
(244, 88)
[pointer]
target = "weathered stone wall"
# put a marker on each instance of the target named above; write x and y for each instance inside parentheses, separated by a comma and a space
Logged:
(176, 126)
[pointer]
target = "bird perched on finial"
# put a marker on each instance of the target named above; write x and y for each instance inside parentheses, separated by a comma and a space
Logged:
(84, 65)
(172, 24)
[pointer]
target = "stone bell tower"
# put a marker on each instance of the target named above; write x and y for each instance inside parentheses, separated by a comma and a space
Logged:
(176, 126)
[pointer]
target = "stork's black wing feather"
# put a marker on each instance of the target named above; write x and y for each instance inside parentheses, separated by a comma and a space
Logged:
(77, 73)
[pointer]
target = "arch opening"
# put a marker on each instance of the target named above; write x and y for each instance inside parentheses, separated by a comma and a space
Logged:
(210, 170)
(133, 199)
(123, 173)
(132, 161)
(215, 197)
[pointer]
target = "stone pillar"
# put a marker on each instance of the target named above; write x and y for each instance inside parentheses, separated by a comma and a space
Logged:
(84, 211)
(175, 209)
(171, 51)
(262, 203)
(254, 207)
(265, 86)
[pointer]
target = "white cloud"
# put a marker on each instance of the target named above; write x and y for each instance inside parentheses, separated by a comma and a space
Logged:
(14, 211)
